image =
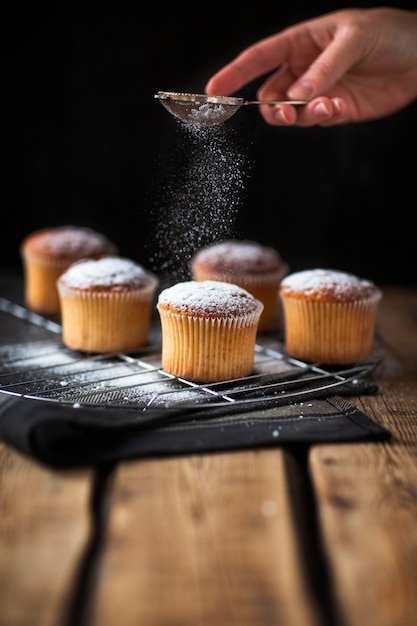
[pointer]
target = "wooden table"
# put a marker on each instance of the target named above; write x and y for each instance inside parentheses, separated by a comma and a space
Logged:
(319, 537)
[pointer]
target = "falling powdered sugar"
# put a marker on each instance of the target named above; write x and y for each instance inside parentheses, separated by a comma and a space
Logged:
(199, 201)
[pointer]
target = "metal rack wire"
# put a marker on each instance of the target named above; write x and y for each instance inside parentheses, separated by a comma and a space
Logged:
(35, 364)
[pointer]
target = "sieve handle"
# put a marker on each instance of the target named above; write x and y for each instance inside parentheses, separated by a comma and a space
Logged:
(292, 102)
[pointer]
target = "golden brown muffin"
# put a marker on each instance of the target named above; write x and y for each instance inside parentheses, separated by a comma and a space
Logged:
(208, 330)
(106, 305)
(47, 252)
(258, 269)
(330, 316)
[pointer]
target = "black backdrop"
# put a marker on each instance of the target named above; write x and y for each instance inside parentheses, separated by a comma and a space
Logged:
(86, 143)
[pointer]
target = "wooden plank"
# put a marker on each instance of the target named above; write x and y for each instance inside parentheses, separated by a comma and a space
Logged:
(397, 325)
(44, 529)
(368, 512)
(367, 494)
(205, 540)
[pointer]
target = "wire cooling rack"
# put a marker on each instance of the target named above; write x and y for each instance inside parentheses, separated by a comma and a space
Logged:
(34, 363)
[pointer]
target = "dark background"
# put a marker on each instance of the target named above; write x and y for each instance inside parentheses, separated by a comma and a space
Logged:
(86, 143)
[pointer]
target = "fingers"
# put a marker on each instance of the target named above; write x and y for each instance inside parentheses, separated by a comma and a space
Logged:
(300, 45)
(264, 56)
(343, 51)
(320, 111)
(318, 53)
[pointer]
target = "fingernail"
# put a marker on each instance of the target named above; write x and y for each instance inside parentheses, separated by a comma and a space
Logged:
(302, 90)
(321, 110)
(281, 117)
(336, 105)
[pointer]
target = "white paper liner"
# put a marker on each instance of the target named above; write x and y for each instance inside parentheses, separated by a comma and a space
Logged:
(41, 274)
(208, 350)
(334, 333)
(106, 321)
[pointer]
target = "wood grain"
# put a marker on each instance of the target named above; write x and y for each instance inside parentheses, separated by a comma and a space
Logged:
(206, 540)
(367, 493)
(44, 529)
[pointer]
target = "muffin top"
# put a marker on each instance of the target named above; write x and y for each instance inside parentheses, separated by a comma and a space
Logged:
(234, 257)
(327, 285)
(208, 298)
(68, 242)
(110, 273)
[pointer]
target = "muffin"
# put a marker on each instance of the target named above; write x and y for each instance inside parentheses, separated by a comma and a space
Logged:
(329, 316)
(258, 269)
(106, 305)
(47, 252)
(208, 330)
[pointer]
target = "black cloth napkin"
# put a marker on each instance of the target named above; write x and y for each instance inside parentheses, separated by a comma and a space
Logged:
(62, 435)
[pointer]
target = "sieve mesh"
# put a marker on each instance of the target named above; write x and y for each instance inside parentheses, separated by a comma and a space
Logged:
(199, 110)
(204, 110)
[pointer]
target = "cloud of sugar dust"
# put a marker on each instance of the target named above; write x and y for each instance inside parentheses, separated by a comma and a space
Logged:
(201, 183)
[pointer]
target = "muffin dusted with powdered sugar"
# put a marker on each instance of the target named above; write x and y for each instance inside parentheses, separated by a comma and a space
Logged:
(329, 315)
(106, 305)
(208, 330)
(47, 252)
(255, 267)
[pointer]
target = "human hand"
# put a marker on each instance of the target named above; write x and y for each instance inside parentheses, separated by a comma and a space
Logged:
(351, 65)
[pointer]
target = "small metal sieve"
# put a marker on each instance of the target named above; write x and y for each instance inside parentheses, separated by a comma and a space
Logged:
(203, 110)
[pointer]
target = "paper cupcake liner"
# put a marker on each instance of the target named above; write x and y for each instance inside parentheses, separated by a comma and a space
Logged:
(333, 333)
(105, 322)
(208, 350)
(41, 274)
